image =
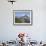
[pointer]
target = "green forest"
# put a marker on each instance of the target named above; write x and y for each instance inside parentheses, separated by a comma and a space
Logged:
(18, 20)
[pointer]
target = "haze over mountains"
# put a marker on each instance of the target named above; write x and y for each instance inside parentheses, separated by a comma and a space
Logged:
(23, 19)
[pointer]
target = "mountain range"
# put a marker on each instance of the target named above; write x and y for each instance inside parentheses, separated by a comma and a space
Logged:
(24, 19)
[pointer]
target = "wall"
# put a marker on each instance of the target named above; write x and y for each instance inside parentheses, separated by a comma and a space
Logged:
(9, 31)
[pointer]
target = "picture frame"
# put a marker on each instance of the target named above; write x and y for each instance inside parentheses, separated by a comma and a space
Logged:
(22, 17)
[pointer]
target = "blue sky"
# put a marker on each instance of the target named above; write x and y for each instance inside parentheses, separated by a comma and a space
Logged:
(19, 14)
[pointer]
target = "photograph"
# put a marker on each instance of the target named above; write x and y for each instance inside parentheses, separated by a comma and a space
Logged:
(22, 16)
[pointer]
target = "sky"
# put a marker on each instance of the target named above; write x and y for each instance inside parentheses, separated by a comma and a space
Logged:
(19, 14)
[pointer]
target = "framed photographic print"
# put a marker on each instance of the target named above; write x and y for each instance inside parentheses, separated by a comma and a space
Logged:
(22, 17)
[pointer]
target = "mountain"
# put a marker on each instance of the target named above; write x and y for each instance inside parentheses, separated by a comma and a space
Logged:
(24, 19)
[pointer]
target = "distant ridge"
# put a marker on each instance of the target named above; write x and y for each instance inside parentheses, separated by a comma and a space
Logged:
(24, 19)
